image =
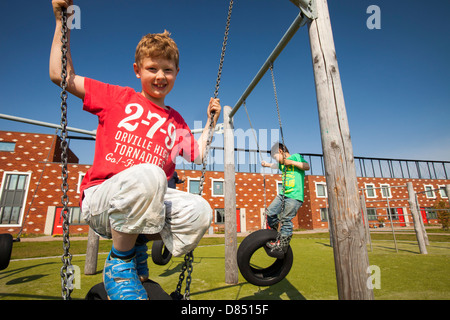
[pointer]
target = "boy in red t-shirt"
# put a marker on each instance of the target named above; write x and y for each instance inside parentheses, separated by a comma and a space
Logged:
(125, 194)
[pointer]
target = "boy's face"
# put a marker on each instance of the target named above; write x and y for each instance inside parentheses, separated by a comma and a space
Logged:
(157, 76)
(279, 155)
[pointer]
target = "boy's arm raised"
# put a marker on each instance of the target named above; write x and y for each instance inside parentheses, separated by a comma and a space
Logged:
(213, 107)
(75, 83)
(301, 165)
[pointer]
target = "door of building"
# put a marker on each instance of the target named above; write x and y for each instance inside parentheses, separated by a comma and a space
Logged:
(401, 217)
(238, 220)
(58, 222)
(424, 215)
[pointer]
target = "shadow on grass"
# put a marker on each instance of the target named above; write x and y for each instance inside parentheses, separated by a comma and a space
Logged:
(175, 267)
(13, 272)
(273, 292)
(14, 280)
(23, 296)
(402, 246)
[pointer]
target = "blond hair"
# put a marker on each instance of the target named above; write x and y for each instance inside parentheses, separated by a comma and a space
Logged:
(157, 45)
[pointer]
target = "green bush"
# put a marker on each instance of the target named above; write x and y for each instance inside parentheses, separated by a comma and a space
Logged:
(443, 214)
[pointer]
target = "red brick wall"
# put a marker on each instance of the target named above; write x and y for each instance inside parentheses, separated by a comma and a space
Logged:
(32, 151)
(31, 154)
(309, 215)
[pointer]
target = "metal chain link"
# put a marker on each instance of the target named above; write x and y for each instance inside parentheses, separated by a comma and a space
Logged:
(189, 262)
(187, 266)
(216, 94)
(282, 141)
(205, 155)
(224, 47)
(189, 258)
(66, 269)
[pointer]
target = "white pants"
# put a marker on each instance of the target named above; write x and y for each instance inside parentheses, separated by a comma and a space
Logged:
(137, 201)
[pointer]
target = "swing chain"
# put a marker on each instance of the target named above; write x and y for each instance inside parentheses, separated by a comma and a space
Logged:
(66, 269)
(187, 266)
(189, 258)
(224, 47)
(282, 140)
(216, 94)
(205, 155)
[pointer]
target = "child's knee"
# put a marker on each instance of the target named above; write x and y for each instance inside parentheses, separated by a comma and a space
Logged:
(149, 181)
(151, 173)
(205, 214)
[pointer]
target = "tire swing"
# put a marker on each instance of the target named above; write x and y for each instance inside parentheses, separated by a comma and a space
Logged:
(265, 276)
(6, 244)
(160, 254)
(278, 269)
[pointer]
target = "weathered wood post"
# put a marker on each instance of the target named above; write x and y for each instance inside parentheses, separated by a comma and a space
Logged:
(362, 200)
(422, 225)
(231, 267)
(416, 218)
(90, 266)
(349, 245)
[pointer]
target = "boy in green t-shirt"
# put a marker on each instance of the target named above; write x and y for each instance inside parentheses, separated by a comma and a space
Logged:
(293, 194)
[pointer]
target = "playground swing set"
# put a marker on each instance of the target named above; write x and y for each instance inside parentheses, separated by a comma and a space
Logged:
(345, 220)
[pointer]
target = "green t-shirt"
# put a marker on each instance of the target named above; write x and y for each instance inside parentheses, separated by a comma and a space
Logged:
(295, 178)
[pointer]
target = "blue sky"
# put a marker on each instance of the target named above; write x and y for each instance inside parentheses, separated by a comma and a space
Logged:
(395, 79)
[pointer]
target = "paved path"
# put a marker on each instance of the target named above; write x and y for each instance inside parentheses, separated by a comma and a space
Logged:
(74, 238)
(243, 234)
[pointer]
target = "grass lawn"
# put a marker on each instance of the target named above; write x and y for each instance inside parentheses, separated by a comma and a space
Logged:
(403, 275)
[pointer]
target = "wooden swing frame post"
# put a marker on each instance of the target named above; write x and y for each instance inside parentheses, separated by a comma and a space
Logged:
(349, 246)
(346, 226)
(231, 266)
(413, 207)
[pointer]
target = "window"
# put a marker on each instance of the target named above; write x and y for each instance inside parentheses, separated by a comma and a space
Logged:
(431, 213)
(7, 146)
(443, 192)
(13, 194)
(393, 214)
(80, 179)
(279, 187)
(324, 214)
(194, 186)
(219, 216)
(217, 188)
(385, 191)
(321, 189)
(75, 216)
(371, 214)
(370, 190)
(429, 192)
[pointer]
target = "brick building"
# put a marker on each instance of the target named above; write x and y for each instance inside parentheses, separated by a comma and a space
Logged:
(30, 186)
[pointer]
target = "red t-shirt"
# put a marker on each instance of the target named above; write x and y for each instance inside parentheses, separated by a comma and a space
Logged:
(133, 130)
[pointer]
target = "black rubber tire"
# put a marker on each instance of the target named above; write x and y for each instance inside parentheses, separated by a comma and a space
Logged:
(154, 292)
(160, 254)
(6, 243)
(267, 276)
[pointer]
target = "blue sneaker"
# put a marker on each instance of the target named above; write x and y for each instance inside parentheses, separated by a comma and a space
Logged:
(121, 280)
(141, 262)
